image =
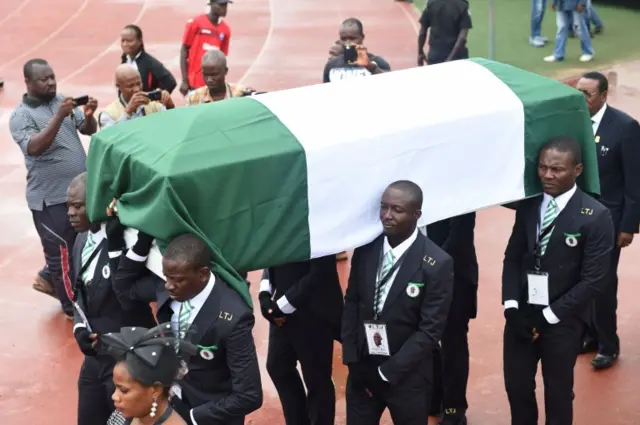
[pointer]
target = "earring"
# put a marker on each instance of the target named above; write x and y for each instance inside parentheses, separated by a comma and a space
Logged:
(154, 408)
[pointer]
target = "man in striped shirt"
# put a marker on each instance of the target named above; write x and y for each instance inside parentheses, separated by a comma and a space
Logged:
(45, 127)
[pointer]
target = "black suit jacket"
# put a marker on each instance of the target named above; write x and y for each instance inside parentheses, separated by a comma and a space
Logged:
(101, 305)
(312, 286)
(414, 325)
(618, 149)
(455, 236)
(576, 274)
(223, 390)
(153, 73)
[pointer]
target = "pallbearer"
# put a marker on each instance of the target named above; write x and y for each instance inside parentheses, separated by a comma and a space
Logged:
(396, 306)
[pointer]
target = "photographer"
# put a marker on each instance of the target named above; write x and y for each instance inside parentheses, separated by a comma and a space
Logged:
(132, 102)
(355, 61)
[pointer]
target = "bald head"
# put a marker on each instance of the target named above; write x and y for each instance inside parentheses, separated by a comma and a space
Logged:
(128, 81)
(214, 71)
(79, 182)
(214, 58)
(125, 71)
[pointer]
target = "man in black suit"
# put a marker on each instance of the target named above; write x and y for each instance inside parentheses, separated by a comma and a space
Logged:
(222, 385)
(617, 138)
(396, 306)
(97, 310)
(556, 261)
(303, 302)
(451, 362)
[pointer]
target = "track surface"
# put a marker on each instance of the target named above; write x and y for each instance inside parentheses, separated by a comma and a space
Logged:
(277, 44)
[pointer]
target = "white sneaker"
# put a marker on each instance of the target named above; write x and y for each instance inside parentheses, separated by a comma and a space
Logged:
(586, 58)
(536, 42)
(551, 59)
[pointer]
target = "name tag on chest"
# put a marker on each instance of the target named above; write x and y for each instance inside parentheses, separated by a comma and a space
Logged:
(377, 341)
(538, 288)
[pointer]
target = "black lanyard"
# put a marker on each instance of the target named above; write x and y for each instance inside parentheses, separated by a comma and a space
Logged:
(537, 249)
(380, 284)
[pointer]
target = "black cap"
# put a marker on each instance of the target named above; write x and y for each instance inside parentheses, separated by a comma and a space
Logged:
(219, 2)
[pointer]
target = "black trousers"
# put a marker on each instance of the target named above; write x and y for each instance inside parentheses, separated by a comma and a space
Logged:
(407, 401)
(57, 237)
(557, 349)
(95, 388)
(451, 367)
(435, 56)
(306, 339)
(605, 307)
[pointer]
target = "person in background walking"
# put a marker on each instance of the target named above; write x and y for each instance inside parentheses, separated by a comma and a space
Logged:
(538, 8)
(153, 73)
(203, 33)
(449, 23)
(568, 13)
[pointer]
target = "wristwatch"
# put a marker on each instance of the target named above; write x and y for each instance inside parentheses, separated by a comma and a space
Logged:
(372, 66)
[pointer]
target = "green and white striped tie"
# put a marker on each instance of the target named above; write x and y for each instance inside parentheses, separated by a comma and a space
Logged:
(185, 313)
(87, 250)
(387, 262)
(549, 215)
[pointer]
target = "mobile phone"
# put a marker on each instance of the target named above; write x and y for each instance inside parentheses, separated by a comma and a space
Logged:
(154, 95)
(81, 101)
(350, 53)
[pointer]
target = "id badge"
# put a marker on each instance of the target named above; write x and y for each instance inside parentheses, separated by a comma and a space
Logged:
(377, 341)
(538, 288)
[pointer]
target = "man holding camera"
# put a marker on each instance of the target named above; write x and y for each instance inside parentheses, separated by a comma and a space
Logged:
(45, 126)
(132, 102)
(355, 61)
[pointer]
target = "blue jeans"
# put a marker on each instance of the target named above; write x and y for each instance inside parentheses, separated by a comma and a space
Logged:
(537, 13)
(564, 20)
(592, 16)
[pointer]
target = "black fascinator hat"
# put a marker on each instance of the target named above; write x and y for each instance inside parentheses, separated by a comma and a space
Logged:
(150, 354)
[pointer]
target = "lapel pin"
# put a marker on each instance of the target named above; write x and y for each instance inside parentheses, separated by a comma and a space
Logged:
(106, 272)
(597, 139)
(207, 352)
(413, 290)
(572, 239)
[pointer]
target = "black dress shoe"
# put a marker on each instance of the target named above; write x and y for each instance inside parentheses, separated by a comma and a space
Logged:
(603, 361)
(589, 346)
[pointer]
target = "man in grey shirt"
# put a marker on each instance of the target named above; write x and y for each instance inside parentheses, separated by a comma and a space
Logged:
(45, 126)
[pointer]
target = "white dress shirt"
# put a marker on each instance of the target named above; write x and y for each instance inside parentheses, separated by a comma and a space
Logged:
(98, 237)
(561, 202)
(398, 251)
(597, 118)
(196, 303)
(132, 62)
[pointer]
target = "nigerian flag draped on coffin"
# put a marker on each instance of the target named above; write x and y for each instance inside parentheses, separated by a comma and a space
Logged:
(298, 174)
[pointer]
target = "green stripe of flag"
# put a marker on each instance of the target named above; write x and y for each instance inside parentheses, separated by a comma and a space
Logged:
(551, 109)
(234, 157)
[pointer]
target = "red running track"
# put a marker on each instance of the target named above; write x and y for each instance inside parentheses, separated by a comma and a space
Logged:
(277, 44)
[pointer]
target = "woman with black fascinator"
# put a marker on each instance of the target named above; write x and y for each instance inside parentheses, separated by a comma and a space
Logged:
(149, 362)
